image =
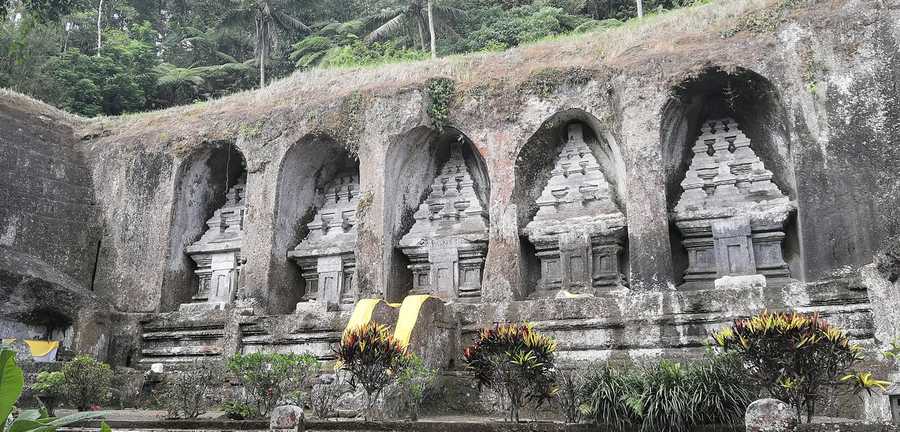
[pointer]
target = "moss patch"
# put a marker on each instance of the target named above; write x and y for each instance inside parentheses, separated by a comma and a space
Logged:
(440, 93)
(545, 82)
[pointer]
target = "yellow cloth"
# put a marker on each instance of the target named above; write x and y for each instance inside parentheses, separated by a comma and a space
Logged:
(409, 314)
(362, 313)
(40, 348)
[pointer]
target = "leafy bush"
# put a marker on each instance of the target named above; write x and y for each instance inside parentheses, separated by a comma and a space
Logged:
(49, 389)
(237, 410)
(569, 397)
(611, 396)
(324, 396)
(12, 382)
(413, 382)
(373, 358)
(190, 392)
(796, 358)
(515, 362)
(667, 396)
(270, 379)
(87, 382)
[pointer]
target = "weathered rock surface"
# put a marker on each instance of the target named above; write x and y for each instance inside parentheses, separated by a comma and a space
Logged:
(770, 415)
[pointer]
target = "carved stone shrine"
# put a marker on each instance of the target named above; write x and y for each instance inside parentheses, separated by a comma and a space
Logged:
(218, 253)
(731, 214)
(449, 239)
(578, 231)
(326, 256)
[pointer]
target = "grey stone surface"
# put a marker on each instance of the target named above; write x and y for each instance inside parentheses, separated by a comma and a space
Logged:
(449, 239)
(578, 230)
(731, 213)
(153, 180)
(326, 256)
(770, 415)
(287, 417)
(218, 253)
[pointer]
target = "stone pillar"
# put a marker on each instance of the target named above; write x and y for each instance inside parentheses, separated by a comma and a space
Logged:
(649, 251)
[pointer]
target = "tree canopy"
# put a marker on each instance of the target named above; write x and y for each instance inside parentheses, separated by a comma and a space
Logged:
(108, 57)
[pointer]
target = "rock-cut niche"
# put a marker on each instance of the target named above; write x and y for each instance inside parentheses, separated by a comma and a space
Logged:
(314, 251)
(440, 216)
(573, 226)
(729, 183)
(208, 225)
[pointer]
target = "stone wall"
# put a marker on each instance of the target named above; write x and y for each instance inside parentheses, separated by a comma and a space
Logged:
(49, 231)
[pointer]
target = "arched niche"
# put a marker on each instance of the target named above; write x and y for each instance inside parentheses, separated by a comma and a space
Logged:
(202, 183)
(755, 106)
(411, 167)
(534, 173)
(307, 170)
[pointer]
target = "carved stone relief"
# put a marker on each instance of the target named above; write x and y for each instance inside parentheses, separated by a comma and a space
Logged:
(731, 213)
(448, 241)
(578, 230)
(326, 256)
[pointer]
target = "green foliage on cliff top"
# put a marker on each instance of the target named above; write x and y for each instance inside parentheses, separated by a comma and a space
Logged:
(158, 54)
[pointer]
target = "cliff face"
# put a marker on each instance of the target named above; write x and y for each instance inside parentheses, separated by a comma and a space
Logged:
(813, 85)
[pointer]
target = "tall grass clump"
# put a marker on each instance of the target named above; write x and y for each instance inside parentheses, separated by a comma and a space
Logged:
(667, 396)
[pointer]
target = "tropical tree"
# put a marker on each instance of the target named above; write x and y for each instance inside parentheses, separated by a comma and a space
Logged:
(268, 17)
(412, 19)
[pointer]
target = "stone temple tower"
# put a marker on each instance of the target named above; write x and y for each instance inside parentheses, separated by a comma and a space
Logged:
(448, 241)
(218, 253)
(578, 231)
(731, 214)
(327, 256)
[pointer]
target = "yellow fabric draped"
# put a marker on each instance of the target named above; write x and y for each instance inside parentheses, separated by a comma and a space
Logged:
(362, 313)
(39, 348)
(409, 314)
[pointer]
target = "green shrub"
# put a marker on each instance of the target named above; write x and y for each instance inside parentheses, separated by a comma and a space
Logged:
(797, 358)
(667, 396)
(611, 396)
(516, 362)
(49, 389)
(12, 382)
(413, 382)
(373, 358)
(237, 410)
(270, 379)
(190, 392)
(87, 382)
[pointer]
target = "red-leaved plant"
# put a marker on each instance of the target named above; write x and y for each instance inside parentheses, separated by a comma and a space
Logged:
(516, 362)
(373, 358)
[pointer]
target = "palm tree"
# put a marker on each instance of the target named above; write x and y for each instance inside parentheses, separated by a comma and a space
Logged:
(412, 19)
(268, 16)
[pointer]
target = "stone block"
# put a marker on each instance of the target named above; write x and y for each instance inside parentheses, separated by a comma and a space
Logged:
(738, 282)
(770, 415)
(286, 417)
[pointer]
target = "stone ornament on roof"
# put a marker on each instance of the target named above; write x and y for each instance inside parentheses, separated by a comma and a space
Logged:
(578, 230)
(731, 212)
(218, 252)
(448, 241)
(327, 255)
